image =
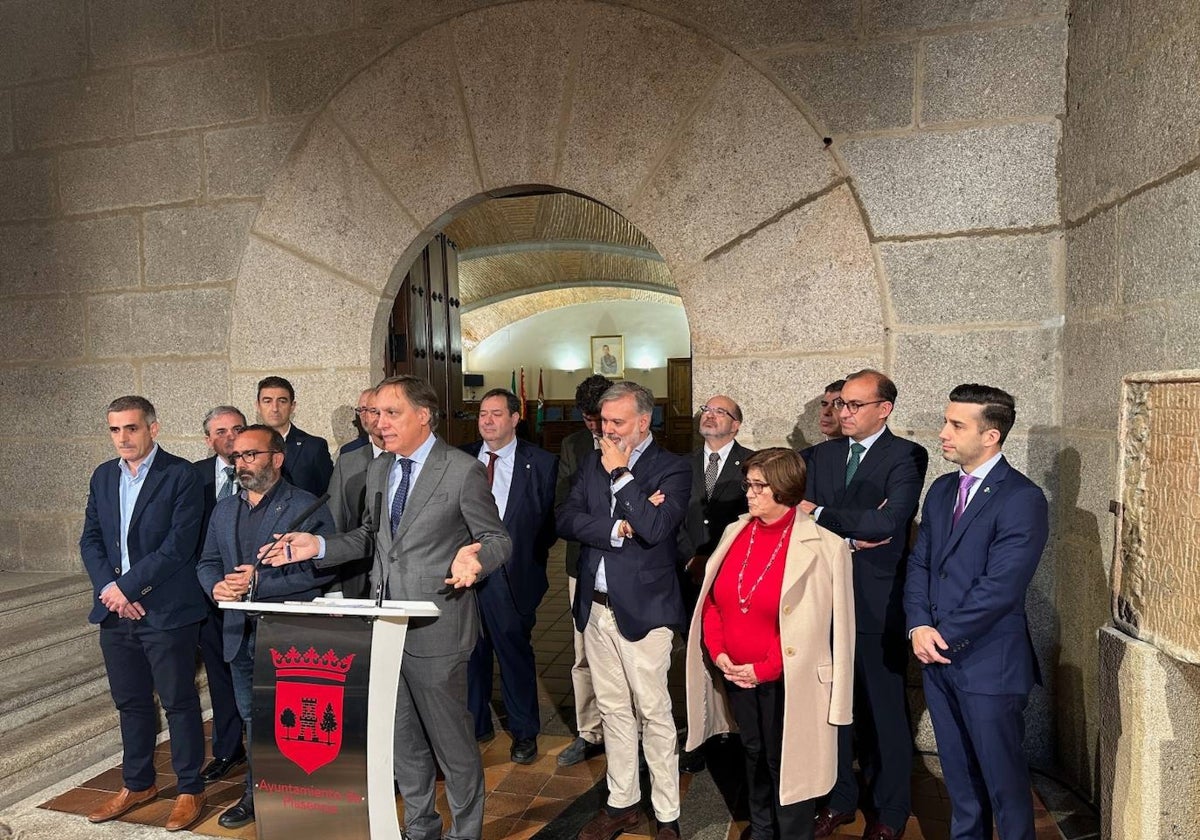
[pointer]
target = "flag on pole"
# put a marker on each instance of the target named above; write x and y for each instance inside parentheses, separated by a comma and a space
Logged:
(541, 408)
(513, 386)
(521, 394)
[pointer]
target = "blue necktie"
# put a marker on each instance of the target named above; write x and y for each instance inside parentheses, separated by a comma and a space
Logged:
(401, 496)
(226, 488)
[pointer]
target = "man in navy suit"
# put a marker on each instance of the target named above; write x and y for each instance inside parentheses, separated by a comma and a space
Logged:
(306, 462)
(240, 525)
(865, 487)
(141, 533)
(522, 478)
(982, 532)
(217, 476)
(625, 510)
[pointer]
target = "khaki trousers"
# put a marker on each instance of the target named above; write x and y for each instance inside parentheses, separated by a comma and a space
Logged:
(630, 680)
(587, 715)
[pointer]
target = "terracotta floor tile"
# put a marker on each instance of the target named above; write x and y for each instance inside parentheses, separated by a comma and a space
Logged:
(77, 801)
(502, 804)
(545, 808)
(521, 781)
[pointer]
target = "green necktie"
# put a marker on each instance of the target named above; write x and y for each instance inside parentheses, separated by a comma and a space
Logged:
(856, 451)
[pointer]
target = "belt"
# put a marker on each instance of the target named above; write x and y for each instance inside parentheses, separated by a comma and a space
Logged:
(600, 598)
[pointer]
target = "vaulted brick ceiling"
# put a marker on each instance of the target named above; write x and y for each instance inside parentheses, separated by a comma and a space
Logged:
(521, 256)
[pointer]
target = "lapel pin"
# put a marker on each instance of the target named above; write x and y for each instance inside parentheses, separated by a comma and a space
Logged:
(987, 489)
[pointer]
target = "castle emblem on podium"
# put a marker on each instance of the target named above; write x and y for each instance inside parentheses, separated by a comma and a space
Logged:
(309, 688)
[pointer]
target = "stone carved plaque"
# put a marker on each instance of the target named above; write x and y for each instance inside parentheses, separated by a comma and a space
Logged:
(1156, 573)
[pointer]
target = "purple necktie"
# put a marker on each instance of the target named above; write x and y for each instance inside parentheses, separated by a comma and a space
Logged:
(964, 487)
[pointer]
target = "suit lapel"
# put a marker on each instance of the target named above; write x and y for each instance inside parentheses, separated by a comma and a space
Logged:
(838, 451)
(800, 554)
(874, 456)
(520, 481)
(982, 498)
(271, 523)
(422, 490)
(730, 480)
(149, 484)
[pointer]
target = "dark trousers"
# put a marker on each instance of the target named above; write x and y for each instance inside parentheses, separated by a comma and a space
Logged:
(759, 715)
(506, 634)
(880, 734)
(226, 721)
(242, 669)
(433, 723)
(140, 661)
(979, 743)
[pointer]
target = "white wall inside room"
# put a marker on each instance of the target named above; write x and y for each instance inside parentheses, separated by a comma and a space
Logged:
(559, 343)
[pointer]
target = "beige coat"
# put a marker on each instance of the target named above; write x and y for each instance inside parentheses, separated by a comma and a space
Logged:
(818, 673)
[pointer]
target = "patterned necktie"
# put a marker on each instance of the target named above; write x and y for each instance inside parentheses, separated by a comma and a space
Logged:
(227, 488)
(964, 487)
(856, 451)
(491, 467)
(401, 497)
(710, 474)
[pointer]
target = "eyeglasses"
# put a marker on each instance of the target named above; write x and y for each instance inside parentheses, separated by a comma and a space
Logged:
(854, 405)
(360, 411)
(720, 412)
(755, 487)
(249, 455)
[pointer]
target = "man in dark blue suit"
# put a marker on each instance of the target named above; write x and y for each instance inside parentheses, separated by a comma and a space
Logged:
(216, 473)
(982, 533)
(141, 533)
(240, 525)
(625, 509)
(865, 487)
(306, 464)
(522, 478)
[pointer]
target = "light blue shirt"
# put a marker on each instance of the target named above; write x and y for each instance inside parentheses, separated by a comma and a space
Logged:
(131, 487)
(502, 472)
(617, 542)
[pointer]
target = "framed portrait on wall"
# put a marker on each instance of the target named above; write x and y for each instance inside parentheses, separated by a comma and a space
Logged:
(608, 355)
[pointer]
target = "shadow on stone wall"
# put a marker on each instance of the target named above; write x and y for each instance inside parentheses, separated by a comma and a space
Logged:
(805, 420)
(1085, 588)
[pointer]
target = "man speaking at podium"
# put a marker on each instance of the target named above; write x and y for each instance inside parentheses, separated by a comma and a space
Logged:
(435, 531)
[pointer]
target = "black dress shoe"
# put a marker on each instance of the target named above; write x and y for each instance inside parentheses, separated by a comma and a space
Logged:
(219, 768)
(239, 815)
(691, 761)
(524, 750)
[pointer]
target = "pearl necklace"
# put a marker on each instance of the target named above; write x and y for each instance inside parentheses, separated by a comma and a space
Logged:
(744, 601)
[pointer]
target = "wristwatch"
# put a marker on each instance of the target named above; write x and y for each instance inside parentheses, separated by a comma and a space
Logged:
(617, 473)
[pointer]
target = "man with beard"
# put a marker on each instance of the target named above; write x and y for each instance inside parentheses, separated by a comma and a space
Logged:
(240, 524)
(625, 509)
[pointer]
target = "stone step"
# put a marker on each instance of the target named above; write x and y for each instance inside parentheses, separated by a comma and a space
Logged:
(65, 595)
(61, 680)
(30, 646)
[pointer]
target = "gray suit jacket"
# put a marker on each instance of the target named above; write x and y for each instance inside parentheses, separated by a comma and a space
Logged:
(449, 506)
(347, 501)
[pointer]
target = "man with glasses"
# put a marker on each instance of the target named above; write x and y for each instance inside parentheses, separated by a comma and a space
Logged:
(306, 464)
(589, 739)
(348, 494)
(240, 524)
(717, 499)
(865, 487)
(217, 476)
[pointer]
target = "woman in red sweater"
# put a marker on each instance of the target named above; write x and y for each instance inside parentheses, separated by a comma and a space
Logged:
(771, 649)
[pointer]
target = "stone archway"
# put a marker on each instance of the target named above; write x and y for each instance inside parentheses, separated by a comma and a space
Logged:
(692, 144)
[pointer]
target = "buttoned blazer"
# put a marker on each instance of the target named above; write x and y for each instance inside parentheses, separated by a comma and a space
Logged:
(643, 586)
(816, 628)
(893, 469)
(222, 553)
(449, 506)
(709, 516)
(969, 580)
(306, 461)
(575, 448)
(164, 541)
(529, 521)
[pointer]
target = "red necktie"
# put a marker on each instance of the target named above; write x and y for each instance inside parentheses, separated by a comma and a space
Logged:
(491, 467)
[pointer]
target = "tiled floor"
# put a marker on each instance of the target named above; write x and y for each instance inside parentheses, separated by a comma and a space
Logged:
(543, 799)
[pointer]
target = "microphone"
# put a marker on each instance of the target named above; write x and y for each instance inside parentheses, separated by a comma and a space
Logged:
(292, 526)
(376, 519)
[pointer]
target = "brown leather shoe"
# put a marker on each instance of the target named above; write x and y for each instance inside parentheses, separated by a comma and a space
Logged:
(666, 832)
(604, 827)
(826, 821)
(119, 803)
(879, 831)
(188, 808)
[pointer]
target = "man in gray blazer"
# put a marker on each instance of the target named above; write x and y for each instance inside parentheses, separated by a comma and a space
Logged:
(348, 496)
(439, 534)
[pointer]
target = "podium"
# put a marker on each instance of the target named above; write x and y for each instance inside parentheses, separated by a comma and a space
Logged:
(325, 678)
